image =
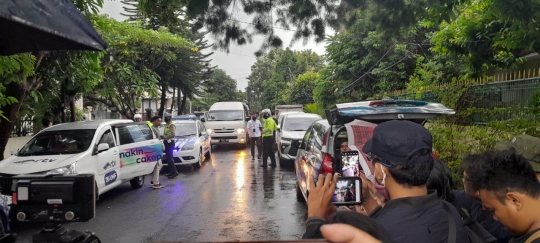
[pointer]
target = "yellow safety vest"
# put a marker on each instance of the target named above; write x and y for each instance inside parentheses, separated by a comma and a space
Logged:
(167, 130)
(269, 127)
(150, 124)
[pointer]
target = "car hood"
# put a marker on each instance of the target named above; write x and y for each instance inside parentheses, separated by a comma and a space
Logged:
(224, 124)
(15, 165)
(293, 134)
(185, 140)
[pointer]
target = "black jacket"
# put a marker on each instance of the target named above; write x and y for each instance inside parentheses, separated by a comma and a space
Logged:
(418, 219)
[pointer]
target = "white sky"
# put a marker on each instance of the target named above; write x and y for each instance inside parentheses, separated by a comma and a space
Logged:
(238, 62)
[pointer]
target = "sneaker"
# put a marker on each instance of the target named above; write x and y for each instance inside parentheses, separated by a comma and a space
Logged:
(173, 175)
(151, 183)
(157, 186)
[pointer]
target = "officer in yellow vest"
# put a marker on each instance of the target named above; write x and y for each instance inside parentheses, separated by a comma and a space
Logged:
(168, 140)
(269, 127)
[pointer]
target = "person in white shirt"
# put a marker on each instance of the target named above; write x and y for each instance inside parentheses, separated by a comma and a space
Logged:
(254, 127)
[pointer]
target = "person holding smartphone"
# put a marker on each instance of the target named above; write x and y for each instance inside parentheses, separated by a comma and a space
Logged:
(254, 127)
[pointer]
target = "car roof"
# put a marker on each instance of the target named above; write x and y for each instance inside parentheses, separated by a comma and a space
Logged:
(383, 110)
(225, 106)
(82, 125)
(303, 115)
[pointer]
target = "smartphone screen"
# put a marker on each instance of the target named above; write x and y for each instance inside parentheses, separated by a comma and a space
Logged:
(350, 162)
(348, 191)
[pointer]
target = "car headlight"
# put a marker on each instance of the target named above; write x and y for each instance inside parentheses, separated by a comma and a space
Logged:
(188, 147)
(240, 130)
(286, 139)
(209, 131)
(66, 170)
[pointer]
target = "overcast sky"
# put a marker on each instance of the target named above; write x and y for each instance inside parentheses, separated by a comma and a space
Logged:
(238, 62)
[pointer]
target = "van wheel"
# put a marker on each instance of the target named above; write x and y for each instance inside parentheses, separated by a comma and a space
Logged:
(299, 195)
(137, 182)
(198, 164)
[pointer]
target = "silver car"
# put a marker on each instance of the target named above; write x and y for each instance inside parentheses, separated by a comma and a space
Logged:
(292, 130)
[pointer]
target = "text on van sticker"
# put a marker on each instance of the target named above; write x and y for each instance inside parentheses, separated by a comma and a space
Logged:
(35, 160)
(146, 154)
(110, 177)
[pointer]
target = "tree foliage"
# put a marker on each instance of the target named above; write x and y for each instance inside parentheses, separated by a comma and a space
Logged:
(130, 66)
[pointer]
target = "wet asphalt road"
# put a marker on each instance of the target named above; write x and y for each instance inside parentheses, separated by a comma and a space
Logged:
(229, 198)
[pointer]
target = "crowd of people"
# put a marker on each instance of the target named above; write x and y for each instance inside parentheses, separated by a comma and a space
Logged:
(500, 201)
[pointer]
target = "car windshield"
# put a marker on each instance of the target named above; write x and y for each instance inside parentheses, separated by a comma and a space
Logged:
(225, 116)
(299, 123)
(185, 129)
(58, 142)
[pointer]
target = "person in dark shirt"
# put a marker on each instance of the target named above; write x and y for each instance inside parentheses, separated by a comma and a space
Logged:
(506, 184)
(401, 152)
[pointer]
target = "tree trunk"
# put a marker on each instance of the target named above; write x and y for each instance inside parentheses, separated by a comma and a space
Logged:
(10, 111)
(183, 107)
(163, 99)
(172, 102)
(63, 100)
(179, 92)
(72, 108)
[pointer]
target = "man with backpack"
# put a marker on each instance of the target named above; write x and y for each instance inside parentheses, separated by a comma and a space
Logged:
(507, 185)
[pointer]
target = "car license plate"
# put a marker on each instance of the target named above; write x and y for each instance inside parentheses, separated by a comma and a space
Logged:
(224, 140)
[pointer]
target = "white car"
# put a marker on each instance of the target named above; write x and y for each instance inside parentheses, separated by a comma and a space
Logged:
(115, 151)
(192, 142)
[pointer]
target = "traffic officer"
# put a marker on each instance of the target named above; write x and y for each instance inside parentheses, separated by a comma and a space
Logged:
(269, 127)
(168, 140)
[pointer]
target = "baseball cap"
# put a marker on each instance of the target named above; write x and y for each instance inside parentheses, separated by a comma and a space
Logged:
(525, 145)
(396, 141)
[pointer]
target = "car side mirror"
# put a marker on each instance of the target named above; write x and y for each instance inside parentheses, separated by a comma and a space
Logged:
(203, 120)
(248, 118)
(102, 147)
(204, 133)
(13, 152)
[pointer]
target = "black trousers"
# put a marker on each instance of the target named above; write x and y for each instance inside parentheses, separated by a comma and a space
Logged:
(169, 160)
(258, 141)
(268, 150)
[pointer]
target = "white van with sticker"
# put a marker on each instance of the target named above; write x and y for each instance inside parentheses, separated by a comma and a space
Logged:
(115, 151)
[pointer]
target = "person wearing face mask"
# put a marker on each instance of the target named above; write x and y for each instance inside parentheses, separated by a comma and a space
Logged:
(254, 127)
(269, 127)
(168, 140)
(401, 153)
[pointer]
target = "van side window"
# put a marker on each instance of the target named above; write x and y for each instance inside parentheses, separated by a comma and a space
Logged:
(147, 131)
(320, 137)
(131, 134)
(107, 138)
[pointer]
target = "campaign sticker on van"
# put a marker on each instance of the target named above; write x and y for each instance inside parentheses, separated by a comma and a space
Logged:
(146, 154)
(110, 177)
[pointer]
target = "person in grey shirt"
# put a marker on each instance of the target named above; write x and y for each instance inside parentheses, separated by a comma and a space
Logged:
(156, 122)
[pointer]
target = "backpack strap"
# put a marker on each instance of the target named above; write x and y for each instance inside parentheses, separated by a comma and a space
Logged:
(452, 231)
(533, 237)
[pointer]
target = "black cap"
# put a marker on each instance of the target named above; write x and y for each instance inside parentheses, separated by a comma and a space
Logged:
(395, 141)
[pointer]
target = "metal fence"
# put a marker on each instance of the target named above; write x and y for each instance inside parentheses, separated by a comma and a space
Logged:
(23, 127)
(485, 99)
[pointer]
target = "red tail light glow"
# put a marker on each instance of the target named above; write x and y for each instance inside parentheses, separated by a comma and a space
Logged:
(324, 138)
(378, 102)
(326, 166)
(14, 198)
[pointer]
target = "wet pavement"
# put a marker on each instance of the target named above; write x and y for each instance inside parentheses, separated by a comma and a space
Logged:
(230, 198)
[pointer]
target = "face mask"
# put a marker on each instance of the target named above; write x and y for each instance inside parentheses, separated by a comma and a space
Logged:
(380, 187)
(266, 116)
(254, 118)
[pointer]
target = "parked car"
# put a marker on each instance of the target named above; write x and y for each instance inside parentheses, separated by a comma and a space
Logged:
(192, 142)
(293, 128)
(115, 151)
(319, 151)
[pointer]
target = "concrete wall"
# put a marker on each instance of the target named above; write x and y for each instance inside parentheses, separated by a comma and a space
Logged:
(14, 144)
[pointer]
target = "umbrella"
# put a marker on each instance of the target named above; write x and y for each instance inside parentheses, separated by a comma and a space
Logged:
(40, 25)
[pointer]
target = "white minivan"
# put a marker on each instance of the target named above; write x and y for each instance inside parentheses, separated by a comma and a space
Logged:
(226, 123)
(115, 151)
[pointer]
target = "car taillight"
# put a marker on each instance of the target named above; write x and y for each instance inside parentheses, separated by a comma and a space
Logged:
(324, 138)
(326, 166)
(378, 102)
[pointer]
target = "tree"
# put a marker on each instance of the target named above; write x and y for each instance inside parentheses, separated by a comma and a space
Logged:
(131, 64)
(490, 33)
(225, 86)
(301, 90)
(273, 72)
